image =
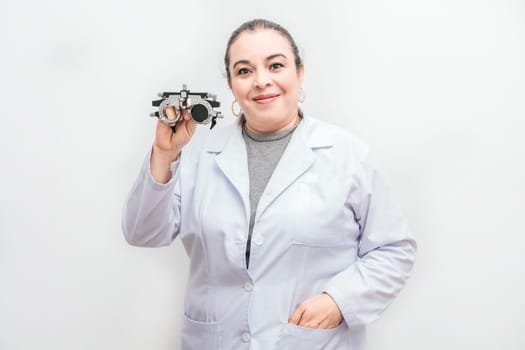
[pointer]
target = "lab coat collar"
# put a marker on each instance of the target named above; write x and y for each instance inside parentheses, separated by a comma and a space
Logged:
(315, 136)
(228, 144)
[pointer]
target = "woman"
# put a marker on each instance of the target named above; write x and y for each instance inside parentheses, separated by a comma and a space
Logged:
(294, 240)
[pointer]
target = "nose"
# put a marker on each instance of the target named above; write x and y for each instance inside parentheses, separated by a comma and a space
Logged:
(262, 79)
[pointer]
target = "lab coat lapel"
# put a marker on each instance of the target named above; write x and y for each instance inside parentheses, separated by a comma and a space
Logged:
(232, 161)
(295, 161)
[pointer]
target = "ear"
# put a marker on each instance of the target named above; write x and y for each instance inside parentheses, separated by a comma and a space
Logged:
(300, 74)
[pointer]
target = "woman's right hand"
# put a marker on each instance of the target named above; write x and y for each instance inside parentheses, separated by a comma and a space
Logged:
(169, 144)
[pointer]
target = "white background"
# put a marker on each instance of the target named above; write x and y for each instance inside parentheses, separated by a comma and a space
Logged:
(436, 88)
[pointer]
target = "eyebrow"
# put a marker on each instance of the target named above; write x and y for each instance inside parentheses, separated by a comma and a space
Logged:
(267, 59)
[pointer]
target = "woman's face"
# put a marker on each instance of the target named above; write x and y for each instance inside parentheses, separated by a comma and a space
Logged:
(265, 81)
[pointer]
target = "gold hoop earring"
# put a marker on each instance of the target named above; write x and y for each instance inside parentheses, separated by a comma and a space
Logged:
(233, 109)
(302, 96)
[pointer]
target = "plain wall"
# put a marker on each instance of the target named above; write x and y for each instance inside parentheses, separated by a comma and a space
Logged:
(436, 88)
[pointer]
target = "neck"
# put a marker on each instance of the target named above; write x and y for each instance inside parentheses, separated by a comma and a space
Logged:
(269, 129)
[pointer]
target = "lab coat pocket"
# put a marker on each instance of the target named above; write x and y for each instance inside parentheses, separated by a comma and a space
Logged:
(300, 338)
(198, 335)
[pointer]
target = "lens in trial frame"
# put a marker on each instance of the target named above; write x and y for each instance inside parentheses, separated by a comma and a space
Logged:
(199, 113)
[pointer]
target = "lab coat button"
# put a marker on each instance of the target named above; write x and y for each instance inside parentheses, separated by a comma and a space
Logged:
(248, 287)
(259, 240)
(245, 337)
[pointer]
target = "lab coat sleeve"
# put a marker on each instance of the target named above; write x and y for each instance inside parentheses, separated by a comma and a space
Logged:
(386, 252)
(151, 214)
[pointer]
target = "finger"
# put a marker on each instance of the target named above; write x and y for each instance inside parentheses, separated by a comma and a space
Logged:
(171, 112)
(316, 320)
(186, 121)
(323, 323)
(308, 319)
(310, 324)
(163, 131)
(186, 114)
(295, 318)
(190, 125)
(185, 130)
(163, 134)
(186, 124)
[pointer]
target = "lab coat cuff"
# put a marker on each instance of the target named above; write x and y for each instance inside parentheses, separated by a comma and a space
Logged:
(339, 298)
(154, 184)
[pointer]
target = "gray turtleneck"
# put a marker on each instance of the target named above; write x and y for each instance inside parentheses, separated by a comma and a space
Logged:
(264, 152)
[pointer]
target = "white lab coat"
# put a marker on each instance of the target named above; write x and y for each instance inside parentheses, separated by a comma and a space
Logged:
(326, 222)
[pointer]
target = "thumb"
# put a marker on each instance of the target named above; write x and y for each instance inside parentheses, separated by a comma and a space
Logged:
(164, 131)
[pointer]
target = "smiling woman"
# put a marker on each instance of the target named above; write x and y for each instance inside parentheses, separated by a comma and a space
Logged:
(265, 80)
(294, 239)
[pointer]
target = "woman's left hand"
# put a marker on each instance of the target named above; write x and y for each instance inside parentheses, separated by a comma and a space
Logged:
(320, 312)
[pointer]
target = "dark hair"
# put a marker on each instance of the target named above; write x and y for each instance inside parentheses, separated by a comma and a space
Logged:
(253, 25)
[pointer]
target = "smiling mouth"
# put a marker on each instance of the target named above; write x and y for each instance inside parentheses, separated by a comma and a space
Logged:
(265, 98)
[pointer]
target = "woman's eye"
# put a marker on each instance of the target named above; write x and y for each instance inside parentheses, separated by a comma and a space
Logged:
(243, 71)
(276, 66)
